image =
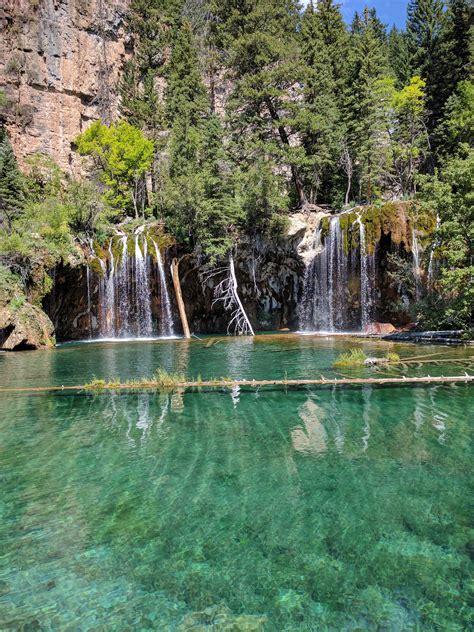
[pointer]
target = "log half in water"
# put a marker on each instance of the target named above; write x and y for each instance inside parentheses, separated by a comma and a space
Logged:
(229, 383)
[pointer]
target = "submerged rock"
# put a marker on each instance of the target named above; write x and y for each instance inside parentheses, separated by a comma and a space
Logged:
(374, 361)
(221, 618)
(25, 327)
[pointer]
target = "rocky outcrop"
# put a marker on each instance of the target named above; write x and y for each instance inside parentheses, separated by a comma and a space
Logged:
(25, 327)
(59, 65)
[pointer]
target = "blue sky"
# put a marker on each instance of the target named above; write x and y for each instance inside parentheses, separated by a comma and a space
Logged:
(389, 11)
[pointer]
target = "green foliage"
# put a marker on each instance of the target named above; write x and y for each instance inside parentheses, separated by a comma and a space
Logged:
(450, 194)
(352, 358)
(11, 290)
(410, 143)
(317, 117)
(367, 107)
(122, 156)
(12, 188)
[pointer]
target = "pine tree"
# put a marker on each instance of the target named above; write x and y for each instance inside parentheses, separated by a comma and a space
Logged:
(366, 106)
(186, 109)
(12, 192)
(424, 35)
(260, 36)
(220, 214)
(317, 116)
(399, 56)
(335, 39)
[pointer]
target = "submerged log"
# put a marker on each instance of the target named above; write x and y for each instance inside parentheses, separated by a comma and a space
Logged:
(229, 383)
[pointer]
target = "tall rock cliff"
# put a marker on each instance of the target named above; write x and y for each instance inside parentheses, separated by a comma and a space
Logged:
(59, 65)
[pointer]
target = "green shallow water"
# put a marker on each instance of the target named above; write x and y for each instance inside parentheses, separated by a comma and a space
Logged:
(306, 509)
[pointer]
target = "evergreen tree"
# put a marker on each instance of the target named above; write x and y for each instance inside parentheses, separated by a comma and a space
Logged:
(367, 105)
(261, 39)
(424, 35)
(317, 116)
(220, 215)
(399, 57)
(11, 183)
(335, 39)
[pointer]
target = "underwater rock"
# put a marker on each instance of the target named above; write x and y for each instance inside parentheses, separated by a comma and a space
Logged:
(25, 327)
(375, 361)
(221, 618)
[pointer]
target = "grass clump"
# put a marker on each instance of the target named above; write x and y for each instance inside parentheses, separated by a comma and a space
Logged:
(354, 357)
(98, 384)
(168, 380)
(392, 356)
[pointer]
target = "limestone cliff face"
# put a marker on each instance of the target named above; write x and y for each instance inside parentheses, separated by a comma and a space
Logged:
(59, 65)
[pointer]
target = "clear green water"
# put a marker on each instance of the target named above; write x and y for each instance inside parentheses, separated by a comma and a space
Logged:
(329, 509)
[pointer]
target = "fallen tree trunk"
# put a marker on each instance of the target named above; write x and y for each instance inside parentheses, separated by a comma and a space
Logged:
(179, 297)
(229, 383)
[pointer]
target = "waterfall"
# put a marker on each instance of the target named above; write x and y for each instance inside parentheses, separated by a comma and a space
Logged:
(109, 296)
(431, 264)
(142, 290)
(367, 273)
(88, 281)
(415, 249)
(324, 305)
(125, 289)
(165, 304)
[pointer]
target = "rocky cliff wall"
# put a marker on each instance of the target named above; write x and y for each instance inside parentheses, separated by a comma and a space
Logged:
(59, 65)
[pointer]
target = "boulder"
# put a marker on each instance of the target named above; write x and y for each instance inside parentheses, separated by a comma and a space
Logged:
(380, 329)
(25, 327)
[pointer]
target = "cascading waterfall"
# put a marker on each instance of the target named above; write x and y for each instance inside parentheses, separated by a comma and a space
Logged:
(89, 313)
(367, 274)
(324, 305)
(142, 289)
(415, 249)
(123, 284)
(167, 319)
(431, 264)
(125, 290)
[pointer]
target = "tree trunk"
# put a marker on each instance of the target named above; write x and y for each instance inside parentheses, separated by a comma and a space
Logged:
(179, 297)
(286, 141)
(236, 295)
(348, 190)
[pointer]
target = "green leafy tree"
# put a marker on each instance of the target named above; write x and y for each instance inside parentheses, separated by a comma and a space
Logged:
(122, 156)
(409, 138)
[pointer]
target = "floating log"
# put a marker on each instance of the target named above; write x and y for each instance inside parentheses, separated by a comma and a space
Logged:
(229, 383)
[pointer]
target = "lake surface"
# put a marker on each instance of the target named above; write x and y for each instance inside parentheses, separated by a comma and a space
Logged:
(299, 509)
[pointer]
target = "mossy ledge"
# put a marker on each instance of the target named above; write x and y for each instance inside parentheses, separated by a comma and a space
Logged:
(397, 219)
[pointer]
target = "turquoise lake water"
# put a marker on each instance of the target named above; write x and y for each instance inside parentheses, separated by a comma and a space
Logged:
(299, 509)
